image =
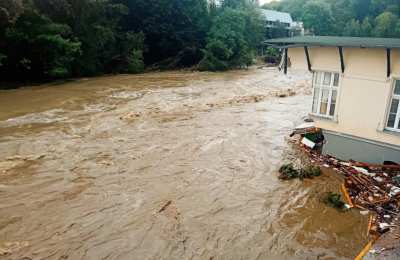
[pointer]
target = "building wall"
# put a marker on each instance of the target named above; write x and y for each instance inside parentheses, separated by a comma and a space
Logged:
(364, 90)
(346, 147)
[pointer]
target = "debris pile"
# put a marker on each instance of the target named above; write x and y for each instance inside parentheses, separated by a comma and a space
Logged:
(288, 171)
(371, 187)
(375, 190)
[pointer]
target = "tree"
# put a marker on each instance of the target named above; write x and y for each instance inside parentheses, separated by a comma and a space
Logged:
(46, 39)
(10, 10)
(381, 6)
(397, 29)
(274, 5)
(353, 28)
(385, 25)
(232, 40)
(317, 16)
(366, 27)
(236, 4)
(212, 8)
(170, 26)
(361, 8)
(343, 17)
(96, 24)
(40, 48)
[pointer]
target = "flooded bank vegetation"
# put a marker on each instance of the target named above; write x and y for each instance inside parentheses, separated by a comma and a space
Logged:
(288, 171)
(50, 39)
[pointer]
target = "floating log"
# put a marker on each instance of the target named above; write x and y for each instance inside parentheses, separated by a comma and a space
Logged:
(346, 195)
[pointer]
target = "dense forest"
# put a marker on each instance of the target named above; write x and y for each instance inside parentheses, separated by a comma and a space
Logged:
(359, 18)
(49, 39)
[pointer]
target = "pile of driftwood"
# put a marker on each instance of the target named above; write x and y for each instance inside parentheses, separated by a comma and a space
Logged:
(369, 187)
(372, 188)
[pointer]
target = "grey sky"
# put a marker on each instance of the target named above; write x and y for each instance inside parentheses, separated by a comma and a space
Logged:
(265, 1)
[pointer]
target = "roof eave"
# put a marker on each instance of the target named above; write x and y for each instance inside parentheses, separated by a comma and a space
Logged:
(296, 45)
(284, 46)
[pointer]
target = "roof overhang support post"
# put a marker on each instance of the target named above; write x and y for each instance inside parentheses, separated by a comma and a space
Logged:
(285, 61)
(388, 59)
(308, 58)
(341, 58)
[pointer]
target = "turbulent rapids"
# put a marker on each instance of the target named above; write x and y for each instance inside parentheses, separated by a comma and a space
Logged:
(171, 165)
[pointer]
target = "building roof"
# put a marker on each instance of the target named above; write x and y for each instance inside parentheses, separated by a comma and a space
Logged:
(273, 16)
(333, 41)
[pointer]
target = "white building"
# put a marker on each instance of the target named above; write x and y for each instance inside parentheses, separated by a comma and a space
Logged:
(356, 93)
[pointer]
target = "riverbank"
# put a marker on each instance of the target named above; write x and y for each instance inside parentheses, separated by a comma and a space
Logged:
(169, 165)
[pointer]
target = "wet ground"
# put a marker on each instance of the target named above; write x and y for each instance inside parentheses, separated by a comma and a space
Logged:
(174, 165)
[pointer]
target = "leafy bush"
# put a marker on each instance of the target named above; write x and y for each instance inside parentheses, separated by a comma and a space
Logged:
(135, 62)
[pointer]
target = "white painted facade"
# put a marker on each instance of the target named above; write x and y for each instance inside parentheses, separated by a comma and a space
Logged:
(364, 92)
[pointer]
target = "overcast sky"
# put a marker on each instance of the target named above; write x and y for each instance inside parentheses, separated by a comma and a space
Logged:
(265, 1)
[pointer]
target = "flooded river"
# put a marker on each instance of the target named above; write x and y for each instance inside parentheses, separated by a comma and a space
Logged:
(174, 165)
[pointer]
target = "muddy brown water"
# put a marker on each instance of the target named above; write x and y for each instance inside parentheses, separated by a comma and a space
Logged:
(172, 165)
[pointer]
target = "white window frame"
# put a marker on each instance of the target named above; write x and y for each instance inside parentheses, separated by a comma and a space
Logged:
(393, 96)
(321, 87)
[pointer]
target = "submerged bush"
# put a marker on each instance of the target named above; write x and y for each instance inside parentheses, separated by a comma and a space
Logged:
(309, 172)
(334, 200)
(288, 171)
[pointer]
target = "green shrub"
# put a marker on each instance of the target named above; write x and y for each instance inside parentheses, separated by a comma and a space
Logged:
(135, 62)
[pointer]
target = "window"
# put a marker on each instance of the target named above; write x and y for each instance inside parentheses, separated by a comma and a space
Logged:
(325, 85)
(393, 122)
